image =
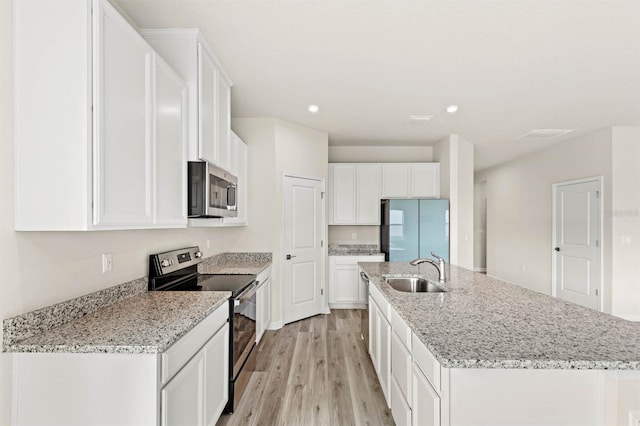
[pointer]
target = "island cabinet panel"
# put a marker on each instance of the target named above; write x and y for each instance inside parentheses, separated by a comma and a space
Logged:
(526, 397)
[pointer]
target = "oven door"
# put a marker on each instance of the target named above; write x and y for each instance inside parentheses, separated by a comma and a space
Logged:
(244, 328)
(242, 358)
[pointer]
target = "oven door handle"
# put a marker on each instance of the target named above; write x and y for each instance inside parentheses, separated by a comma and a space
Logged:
(246, 295)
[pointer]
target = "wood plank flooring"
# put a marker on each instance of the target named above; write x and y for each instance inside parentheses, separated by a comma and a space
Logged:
(313, 372)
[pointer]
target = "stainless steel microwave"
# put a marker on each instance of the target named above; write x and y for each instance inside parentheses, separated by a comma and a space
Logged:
(212, 191)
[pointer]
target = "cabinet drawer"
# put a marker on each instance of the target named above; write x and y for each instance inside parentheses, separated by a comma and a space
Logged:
(401, 367)
(181, 351)
(426, 402)
(401, 329)
(380, 300)
(427, 362)
(400, 411)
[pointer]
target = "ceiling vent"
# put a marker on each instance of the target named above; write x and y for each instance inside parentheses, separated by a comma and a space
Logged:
(544, 134)
(420, 119)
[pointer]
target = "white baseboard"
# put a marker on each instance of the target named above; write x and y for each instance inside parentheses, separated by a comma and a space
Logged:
(347, 306)
(275, 325)
(480, 270)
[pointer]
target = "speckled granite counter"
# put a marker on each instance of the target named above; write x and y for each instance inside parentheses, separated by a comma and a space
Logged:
(125, 318)
(235, 263)
(147, 323)
(354, 250)
(482, 322)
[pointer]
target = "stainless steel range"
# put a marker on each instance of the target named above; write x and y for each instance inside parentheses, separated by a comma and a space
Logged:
(177, 270)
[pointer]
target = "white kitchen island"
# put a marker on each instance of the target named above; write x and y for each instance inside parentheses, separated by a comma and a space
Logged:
(487, 352)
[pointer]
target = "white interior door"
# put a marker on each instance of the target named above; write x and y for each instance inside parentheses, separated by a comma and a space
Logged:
(303, 224)
(578, 243)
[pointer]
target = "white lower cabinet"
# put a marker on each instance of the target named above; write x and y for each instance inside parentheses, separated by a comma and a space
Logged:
(346, 289)
(183, 396)
(380, 340)
(400, 410)
(425, 400)
(263, 303)
(216, 383)
(185, 385)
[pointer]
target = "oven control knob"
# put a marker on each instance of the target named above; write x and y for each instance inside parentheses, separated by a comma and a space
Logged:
(198, 254)
(165, 263)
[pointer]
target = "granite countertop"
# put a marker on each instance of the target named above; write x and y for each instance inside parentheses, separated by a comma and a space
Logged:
(482, 322)
(235, 263)
(125, 318)
(149, 322)
(354, 250)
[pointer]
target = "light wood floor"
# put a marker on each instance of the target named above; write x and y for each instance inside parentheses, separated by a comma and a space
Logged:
(313, 372)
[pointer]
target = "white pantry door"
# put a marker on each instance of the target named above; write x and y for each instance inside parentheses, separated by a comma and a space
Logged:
(303, 224)
(578, 242)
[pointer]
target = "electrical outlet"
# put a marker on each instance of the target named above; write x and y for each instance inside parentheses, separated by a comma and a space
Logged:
(354, 235)
(524, 268)
(107, 262)
(208, 244)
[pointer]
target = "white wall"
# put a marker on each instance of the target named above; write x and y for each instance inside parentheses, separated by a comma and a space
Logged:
(480, 226)
(625, 217)
(380, 154)
(456, 183)
(43, 268)
(519, 209)
(275, 147)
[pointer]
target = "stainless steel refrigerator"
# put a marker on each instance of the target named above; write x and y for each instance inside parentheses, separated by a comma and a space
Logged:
(414, 228)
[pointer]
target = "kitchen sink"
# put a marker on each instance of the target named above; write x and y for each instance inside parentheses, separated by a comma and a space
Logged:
(413, 285)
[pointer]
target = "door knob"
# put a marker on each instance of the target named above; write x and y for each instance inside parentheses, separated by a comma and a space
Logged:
(557, 249)
(289, 257)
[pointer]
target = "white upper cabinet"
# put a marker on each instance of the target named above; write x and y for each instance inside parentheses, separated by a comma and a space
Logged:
(342, 199)
(170, 157)
(368, 194)
(207, 108)
(354, 194)
(96, 157)
(123, 71)
(355, 190)
(411, 180)
(188, 53)
(239, 167)
(424, 179)
(395, 180)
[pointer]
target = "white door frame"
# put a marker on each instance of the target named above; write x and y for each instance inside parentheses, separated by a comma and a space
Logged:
(554, 189)
(323, 258)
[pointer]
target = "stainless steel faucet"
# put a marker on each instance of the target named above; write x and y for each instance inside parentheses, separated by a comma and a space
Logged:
(439, 266)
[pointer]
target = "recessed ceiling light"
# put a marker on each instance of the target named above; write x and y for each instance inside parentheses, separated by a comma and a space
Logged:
(452, 109)
(313, 108)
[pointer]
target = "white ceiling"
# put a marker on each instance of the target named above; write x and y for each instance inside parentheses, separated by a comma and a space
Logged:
(511, 66)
